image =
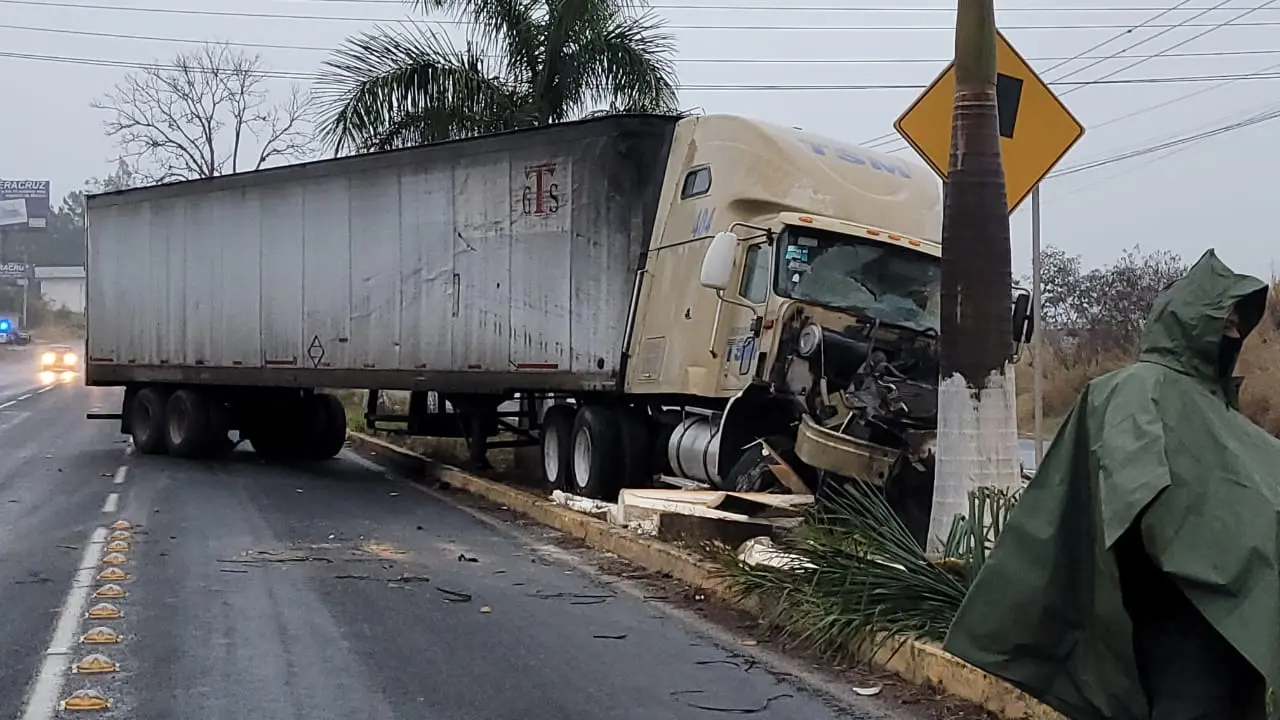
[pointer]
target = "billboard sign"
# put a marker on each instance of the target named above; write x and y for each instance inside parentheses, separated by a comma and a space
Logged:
(16, 271)
(24, 203)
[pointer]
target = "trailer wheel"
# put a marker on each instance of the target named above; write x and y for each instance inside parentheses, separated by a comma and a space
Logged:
(557, 446)
(326, 426)
(187, 427)
(147, 421)
(597, 453)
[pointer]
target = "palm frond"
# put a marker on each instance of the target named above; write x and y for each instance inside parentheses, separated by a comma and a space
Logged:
(621, 60)
(861, 581)
(374, 86)
(516, 27)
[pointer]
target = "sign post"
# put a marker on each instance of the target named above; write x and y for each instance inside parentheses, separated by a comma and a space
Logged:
(1037, 338)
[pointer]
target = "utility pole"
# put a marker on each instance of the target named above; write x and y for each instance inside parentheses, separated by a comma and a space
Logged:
(1037, 338)
(977, 416)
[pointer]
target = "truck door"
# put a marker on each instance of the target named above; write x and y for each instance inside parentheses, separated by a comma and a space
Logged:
(739, 333)
(482, 265)
(543, 254)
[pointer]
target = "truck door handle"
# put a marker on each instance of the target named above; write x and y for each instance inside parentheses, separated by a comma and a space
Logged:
(457, 291)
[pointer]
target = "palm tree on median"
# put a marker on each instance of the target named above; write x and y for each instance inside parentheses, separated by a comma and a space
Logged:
(525, 63)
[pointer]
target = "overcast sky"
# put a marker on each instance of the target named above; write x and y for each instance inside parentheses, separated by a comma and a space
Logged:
(1216, 192)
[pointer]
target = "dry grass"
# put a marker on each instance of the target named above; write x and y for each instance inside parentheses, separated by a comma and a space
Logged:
(1259, 364)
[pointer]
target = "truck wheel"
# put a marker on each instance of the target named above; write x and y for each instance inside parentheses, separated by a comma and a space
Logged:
(147, 421)
(557, 446)
(326, 426)
(637, 450)
(597, 453)
(278, 442)
(187, 424)
(220, 442)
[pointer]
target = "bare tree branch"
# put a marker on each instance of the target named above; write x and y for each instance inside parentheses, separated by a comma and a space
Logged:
(208, 113)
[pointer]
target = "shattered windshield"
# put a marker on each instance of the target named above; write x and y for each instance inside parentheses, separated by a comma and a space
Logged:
(890, 284)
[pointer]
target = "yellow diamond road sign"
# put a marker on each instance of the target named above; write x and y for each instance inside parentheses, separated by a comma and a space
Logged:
(1036, 129)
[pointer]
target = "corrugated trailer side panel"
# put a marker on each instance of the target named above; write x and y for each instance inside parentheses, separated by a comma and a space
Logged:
(504, 262)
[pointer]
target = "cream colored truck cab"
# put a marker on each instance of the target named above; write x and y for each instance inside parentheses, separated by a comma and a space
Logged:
(791, 294)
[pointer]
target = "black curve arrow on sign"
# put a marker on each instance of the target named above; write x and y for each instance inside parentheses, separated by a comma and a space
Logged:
(1008, 98)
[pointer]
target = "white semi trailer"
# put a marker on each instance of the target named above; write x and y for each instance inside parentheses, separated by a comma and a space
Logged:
(676, 288)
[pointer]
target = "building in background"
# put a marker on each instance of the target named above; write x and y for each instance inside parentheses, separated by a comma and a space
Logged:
(62, 286)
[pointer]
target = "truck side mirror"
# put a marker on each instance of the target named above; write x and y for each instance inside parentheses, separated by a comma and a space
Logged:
(717, 264)
(1024, 320)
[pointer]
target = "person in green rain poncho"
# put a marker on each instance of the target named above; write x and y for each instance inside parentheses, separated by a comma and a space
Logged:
(1139, 575)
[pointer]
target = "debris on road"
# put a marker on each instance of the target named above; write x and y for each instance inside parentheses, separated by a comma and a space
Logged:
(679, 695)
(454, 595)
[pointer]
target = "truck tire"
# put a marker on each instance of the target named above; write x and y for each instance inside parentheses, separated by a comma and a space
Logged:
(637, 448)
(147, 421)
(556, 448)
(220, 442)
(597, 453)
(276, 442)
(326, 423)
(187, 428)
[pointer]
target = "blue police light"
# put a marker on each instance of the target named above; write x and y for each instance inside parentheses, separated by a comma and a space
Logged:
(4, 326)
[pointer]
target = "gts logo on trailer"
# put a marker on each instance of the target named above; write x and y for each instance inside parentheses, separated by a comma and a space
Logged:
(854, 158)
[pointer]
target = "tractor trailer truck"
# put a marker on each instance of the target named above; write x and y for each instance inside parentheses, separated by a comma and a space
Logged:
(746, 306)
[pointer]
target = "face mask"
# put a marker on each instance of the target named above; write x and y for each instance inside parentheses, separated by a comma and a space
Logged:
(1228, 351)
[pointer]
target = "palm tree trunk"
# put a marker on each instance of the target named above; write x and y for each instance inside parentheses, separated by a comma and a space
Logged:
(977, 421)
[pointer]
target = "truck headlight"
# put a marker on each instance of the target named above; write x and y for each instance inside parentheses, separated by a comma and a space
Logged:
(48, 359)
(810, 339)
(69, 359)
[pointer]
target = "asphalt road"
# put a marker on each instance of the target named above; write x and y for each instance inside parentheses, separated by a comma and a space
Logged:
(265, 592)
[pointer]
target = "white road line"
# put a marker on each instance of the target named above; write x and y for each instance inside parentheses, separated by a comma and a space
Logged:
(120, 473)
(45, 389)
(25, 397)
(11, 403)
(112, 501)
(42, 703)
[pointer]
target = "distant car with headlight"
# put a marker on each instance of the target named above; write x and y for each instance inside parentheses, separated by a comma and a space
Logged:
(59, 359)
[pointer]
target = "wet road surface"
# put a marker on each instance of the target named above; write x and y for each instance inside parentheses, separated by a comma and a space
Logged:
(336, 591)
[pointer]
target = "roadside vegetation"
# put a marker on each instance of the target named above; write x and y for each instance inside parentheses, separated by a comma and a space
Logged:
(1093, 323)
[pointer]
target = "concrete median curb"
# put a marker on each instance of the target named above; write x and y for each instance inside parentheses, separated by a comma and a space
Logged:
(917, 663)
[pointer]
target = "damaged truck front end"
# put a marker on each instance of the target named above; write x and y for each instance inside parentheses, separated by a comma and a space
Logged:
(854, 352)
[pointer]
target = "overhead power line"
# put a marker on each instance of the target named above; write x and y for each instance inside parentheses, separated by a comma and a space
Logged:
(712, 61)
(1107, 77)
(306, 76)
(1149, 38)
(1185, 140)
(672, 26)
(1175, 46)
(891, 138)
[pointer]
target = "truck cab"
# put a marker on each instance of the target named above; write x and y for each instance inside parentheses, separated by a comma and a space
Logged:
(789, 313)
